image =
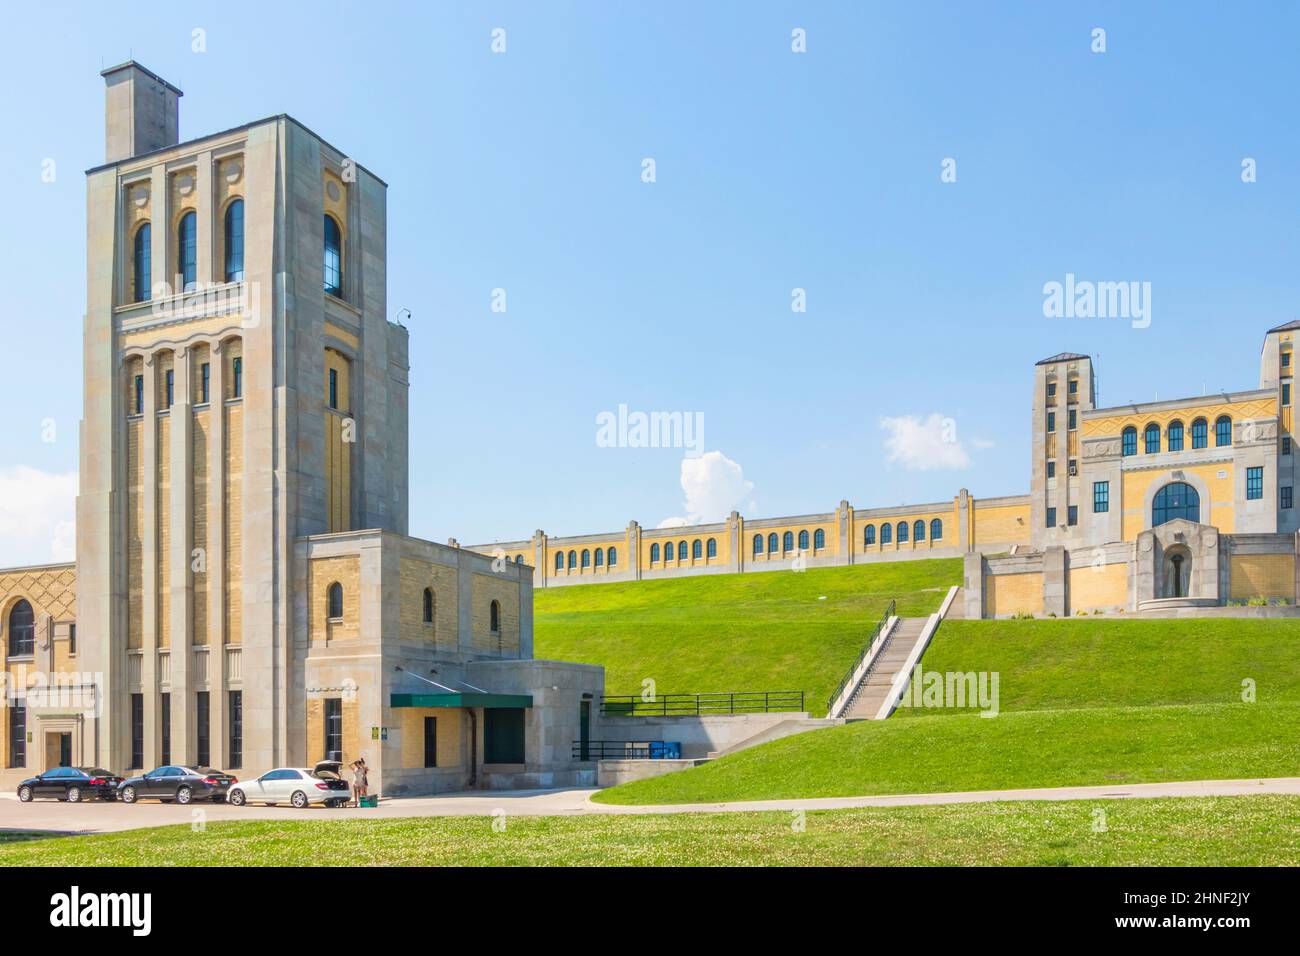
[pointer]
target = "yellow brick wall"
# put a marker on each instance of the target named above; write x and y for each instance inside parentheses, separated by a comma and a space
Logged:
(199, 529)
(340, 434)
(828, 527)
(950, 539)
(1262, 575)
(416, 576)
(1105, 586)
(1114, 425)
(449, 736)
(1002, 524)
(234, 506)
(1007, 594)
(200, 355)
(1218, 512)
(346, 570)
(315, 729)
(163, 512)
(485, 588)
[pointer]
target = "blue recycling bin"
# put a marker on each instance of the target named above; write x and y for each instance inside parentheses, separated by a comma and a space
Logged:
(665, 750)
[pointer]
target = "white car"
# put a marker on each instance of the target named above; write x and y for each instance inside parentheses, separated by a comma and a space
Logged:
(296, 786)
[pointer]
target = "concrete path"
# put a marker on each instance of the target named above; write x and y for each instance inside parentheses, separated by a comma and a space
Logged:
(107, 817)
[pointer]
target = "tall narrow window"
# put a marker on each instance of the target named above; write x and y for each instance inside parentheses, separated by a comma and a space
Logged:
(143, 255)
(139, 394)
(1254, 483)
(165, 722)
(787, 541)
(169, 389)
(205, 383)
(803, 540)
(711, 548)
(697, 549)
(599, 557)
(334, 602)
(901, 533)
(886, 533)
(237, 377)
(187, 235)
(72, 640)
(936, 530)
(202, 717)
(1100, 497)
(235, 756)
(235, 241)
(772, 545)
(1285, 497)
(758, 545)
(654, 553)
(137, 731)
(918, 531)
(1129, 442)
(18, 733)
(22, 630)
(1072, 515)
(586, 558)
(494, 617)
(613, 557)
(1200, 433)
(428, 605)
(868, 535)
(333, 728)
(1223, 431)
(1152, 439)
(334, 388)
(1051, 422)
(573, 560)
(1175, 436)
(1051, 517)
(1286, 394)
(819, 539)
(333, 258)
(431, 741)
(669, 551)
(681, 550)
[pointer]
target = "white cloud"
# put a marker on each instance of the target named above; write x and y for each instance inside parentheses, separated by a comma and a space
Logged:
(37, 516)
(714, 487)
(924, 444)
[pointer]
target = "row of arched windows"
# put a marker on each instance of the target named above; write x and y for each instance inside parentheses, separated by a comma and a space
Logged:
(187, 235)
(785, 542)
(601, 556)
(694, 549)
(917, 532)
(1174, 436)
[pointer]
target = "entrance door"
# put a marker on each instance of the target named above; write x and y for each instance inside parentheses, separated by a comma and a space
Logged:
(65, 750)
(584, 730)
(58, 750)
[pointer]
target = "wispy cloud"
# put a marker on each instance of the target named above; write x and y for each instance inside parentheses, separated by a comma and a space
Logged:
(924, 444)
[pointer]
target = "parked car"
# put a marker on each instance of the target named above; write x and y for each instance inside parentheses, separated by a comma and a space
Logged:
(295, 785)
(181, 784)
(73, 784)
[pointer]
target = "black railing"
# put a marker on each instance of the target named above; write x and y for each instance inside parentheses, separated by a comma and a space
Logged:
(695, 705)
(625, 750)
(862, 655)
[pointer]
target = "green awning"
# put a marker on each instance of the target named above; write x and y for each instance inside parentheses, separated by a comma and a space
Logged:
(464, 699)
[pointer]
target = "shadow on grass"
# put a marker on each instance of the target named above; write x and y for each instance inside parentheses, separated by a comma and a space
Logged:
(27, 836)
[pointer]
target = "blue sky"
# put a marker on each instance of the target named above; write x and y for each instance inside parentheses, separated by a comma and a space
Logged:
(774, 171)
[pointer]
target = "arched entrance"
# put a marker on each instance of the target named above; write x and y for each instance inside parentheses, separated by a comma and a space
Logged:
(1175, 500)
(1176, 578)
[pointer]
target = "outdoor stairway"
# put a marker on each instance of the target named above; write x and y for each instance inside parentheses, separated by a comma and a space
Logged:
(872, 692)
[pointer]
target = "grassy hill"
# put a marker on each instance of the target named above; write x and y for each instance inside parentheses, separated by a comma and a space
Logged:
(778, 630)
(1082, 702)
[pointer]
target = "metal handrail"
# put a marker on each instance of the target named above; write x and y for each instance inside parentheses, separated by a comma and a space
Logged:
(588, 750)
(862, 655)
(695, 705)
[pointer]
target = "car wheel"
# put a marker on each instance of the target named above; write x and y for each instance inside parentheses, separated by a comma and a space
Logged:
(183, 795)
(128, 795)
(299, 799)
(25, 794)
(237, 798)
(74, 795)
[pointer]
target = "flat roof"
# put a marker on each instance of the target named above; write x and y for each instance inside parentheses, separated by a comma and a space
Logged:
(462, 699)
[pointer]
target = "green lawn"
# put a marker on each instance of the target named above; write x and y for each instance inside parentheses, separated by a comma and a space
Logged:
(1081, 702)
(778, 630)
(1222, 831)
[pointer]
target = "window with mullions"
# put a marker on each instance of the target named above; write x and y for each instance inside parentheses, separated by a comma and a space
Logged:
(1223, 431)
(803, 540)
(936, 530)
(22, 629)
(772, 544)
(1175, 500)
(598, 558)
(787, 541)
(205, 383)
(1175, 436)
(586, 558)
(1200, 433)
(334, 389)
(143, 264)
(1072, 515)
(886, 534)
(203, 720)
(333, 258)
(138, 388)
(559, 557)
(235, 241)
(681, 550)
(868, 535)
(1100, 497)
(1254, 483)
(1151, 439)
(1284, 497)
(819, 539)
(711, 549)
(697, 549)
(758, 545)
(235, 756)
(918, 531)
(901, 532)
(169, 390)
(1051, 517)
(334, 601)
(1129, 442)
(333, 728)
(18, 733)
(613, 557)
(1051, 422)
(237, 383)
(165, 715)
(187, 235)
(137, 731)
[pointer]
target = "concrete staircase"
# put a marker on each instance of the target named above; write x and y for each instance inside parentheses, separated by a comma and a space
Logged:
(871, 693)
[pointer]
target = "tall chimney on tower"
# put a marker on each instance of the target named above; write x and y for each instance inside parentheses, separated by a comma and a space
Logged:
(141, 111)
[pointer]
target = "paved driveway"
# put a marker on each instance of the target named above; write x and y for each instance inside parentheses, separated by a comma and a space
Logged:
(105, 817)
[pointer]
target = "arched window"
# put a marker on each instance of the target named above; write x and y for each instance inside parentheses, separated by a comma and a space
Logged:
(559, 560)
(936, 530)
(1151, 439)
(1175, 500)
(600, 557)
(654, 553)
(1200, 433)
(772, 546)
(886, 533)
(613, 557)
(333, 257)
(428, 605)
(494, 617)
(697, 549)
(711, 548)
(787, 541)
(868, 535)
(573, 560)
(519, 559)
(22, 630)
(1175, 436)
(902, 532)
(187, 235)
(1223, 431)
(681, 550)
(918, 530)
(334, 602)
(803, 540)
(586, 558)
(143, 263)
(758, 544)
(1129, 441)
(819, 539)
(235, 241)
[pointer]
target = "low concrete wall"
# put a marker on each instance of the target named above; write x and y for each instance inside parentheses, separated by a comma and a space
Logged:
(610, 773)
(699, 736)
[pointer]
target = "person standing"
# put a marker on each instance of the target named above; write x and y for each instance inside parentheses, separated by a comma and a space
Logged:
(359, 781)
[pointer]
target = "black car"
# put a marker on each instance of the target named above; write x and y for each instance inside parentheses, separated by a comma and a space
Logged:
(73, 784)
(181, 784)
